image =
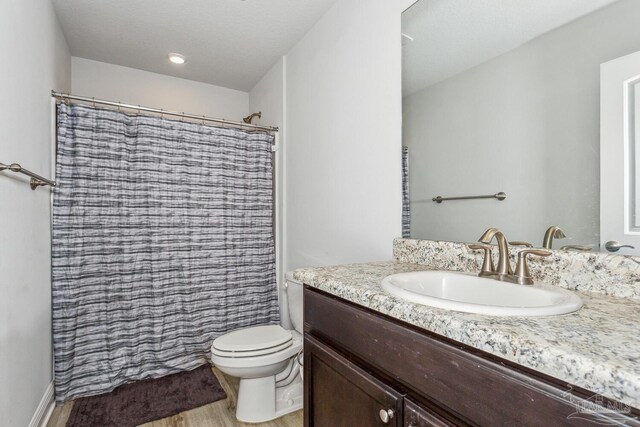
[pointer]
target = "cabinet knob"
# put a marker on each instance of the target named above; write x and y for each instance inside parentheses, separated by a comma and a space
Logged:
(386, 415)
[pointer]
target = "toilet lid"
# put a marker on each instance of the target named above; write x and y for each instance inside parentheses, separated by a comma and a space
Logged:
(253, 339)
(251, 353)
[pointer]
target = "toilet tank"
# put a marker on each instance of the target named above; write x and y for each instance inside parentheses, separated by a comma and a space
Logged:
(294, 301)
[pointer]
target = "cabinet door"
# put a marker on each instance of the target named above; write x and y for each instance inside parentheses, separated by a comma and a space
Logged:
(417, 416)
(341, 394)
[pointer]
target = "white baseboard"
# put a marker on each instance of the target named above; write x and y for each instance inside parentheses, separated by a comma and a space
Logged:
(45, 408)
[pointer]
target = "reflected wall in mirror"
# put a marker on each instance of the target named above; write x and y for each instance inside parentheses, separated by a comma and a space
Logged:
(504, 96)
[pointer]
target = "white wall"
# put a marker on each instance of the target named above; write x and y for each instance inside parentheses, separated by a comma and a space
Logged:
(267, 96)
(39, 62)
(137, 87)
(343, 132)
(526, 123)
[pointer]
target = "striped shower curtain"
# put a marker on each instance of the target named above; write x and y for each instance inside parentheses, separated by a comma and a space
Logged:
(162, 241)
(406, 203)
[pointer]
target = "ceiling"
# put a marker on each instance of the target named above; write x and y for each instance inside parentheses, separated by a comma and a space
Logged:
(230, 43)
(451, 36)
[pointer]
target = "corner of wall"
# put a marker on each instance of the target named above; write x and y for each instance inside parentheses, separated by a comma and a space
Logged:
(267, 96)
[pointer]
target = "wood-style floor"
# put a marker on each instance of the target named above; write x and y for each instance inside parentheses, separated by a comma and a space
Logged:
(216, 414)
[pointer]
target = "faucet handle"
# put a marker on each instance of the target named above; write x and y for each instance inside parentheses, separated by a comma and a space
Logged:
(581, 248)
(522, 269)
(487, 263)
(520, 243)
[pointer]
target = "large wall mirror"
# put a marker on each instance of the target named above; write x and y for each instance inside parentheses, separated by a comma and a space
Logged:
(519, 98)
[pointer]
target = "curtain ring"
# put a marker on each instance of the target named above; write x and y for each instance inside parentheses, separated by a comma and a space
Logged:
(138, 109)
(203, 119)
(161, 113)
(93, 100)
(119, 103)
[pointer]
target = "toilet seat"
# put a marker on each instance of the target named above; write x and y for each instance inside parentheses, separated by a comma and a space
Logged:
(252, 342)
(269, 356)
(251, 353)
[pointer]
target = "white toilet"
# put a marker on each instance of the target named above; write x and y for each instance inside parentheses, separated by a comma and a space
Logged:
(267, 361)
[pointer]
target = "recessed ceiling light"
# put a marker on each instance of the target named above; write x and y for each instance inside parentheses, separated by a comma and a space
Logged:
(176, 58)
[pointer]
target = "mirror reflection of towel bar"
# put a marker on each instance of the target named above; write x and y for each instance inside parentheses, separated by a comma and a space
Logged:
(36, 180)
(499, 196)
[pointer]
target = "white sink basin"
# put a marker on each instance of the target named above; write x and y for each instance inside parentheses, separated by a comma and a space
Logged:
(473, 294)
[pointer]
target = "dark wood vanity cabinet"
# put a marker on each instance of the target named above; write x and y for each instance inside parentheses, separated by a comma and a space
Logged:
(342, 394)
(366, 369)
(417, 416)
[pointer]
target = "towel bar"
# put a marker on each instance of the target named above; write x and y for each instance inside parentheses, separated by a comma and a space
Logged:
(499, 196)
(36, 180)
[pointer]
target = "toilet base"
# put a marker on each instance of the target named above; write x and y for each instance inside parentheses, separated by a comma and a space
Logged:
(289, 398)
(259, 400)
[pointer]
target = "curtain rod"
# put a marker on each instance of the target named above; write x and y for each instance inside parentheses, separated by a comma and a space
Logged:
(241, 125)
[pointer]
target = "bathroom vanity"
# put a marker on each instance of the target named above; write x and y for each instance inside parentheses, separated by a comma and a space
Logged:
(373, 360)
(366, 369)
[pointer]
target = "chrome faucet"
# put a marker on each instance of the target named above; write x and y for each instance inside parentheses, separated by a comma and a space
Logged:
(553, 232)
(503, 271)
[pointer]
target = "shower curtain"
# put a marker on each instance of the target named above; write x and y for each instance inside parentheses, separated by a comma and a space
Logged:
(406, 203)
(162, 241)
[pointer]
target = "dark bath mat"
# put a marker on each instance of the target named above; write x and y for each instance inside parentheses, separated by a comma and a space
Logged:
(147, 400)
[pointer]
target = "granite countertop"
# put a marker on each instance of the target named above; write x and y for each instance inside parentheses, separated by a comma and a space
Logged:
(596, 347)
